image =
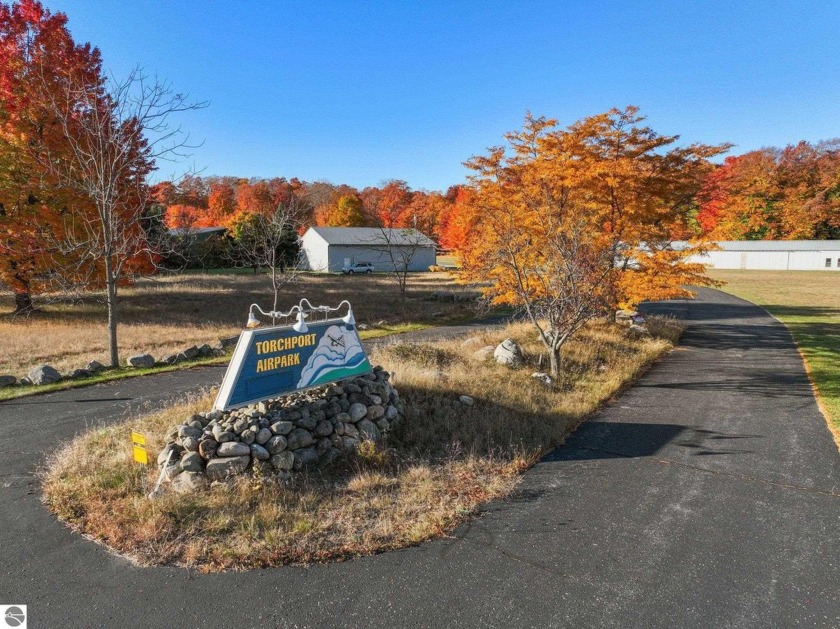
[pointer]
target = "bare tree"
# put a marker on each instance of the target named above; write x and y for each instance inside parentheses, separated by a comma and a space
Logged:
(270, 242)
(400, 246)
(115, 133)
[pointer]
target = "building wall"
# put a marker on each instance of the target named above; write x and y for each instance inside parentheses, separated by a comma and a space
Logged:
(313, 252)
(421, 261)
(772, 260)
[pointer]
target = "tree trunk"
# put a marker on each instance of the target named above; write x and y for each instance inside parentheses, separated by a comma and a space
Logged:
(23, 302)
(111, 287)
(555, 361)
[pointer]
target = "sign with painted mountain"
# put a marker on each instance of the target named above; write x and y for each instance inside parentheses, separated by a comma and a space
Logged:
(269, 362)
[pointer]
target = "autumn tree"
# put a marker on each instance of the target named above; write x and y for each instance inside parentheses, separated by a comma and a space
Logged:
(32, 202)
(347, 213)
(575, 221)
(774, 194)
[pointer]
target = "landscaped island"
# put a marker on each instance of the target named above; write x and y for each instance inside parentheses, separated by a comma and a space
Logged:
(471, 425)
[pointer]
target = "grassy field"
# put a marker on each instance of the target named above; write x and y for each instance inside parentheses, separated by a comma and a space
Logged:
(808, 302)
(163, 315)
(439, 466)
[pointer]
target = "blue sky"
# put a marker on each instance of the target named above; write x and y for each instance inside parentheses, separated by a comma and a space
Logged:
(360, 92)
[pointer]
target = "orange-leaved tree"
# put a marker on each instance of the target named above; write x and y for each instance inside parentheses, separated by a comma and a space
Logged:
(577, 221)
(36, 52)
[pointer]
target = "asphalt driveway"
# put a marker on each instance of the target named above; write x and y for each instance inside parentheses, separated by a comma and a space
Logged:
(708, 495)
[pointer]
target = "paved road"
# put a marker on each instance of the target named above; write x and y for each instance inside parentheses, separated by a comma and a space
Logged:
(706, 496)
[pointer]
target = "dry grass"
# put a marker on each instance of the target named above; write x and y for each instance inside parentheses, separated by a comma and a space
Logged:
(808, 303)
(163, 315)
(440, 465)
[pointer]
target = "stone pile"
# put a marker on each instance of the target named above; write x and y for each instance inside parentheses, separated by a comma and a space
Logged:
(634, 321)
(281, 435)
(47, 374)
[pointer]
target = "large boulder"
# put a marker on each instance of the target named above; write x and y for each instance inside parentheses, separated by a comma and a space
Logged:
(141, 361)
(221, 468)
(508, 353)
(44, 374)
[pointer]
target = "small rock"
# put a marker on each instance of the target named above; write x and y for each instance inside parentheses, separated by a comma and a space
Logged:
(466, 400)
(350, 443)
(207, 448)
(7, 381)
(625, 317)
(221, 468)
(383, 424)
(224, 436)
(174, 448)
(95, 366)
(205, 350)
(638, 331)
(189, 431)
(190, 443)
(323, 446)
(189, 483)
(171, 359)
(299, 438)
(259, 453)
(192, 462)
(357, 411)
(249, 436)
(324, 428)
(283, 460)
(232, 448)
(277, 444)
(543, 377)
(368, 430)
(191, 352)
(44, 374)
(141, 361)
(282, 427)
(391, 413)
(76, 374)
(229, 341)
(351, 431)
(263, 436)
(305, 457)
(374, 413)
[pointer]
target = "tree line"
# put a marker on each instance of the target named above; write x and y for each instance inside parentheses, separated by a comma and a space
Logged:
(566, 222)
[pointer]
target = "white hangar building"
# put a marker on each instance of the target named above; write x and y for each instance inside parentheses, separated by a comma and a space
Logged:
(329, 249)
(773, 255)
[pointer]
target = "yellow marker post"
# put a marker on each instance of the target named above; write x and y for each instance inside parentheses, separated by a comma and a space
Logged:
(138, 441)
(140, 455)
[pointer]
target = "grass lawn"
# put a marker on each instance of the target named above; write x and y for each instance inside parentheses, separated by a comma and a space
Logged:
(808, 302)
(163, 315)
(439, 465)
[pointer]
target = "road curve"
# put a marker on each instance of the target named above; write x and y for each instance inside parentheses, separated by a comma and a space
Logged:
(708, 495)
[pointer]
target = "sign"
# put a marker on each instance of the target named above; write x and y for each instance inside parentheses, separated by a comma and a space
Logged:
(140, 455)
(138, 441)
(269, 362)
